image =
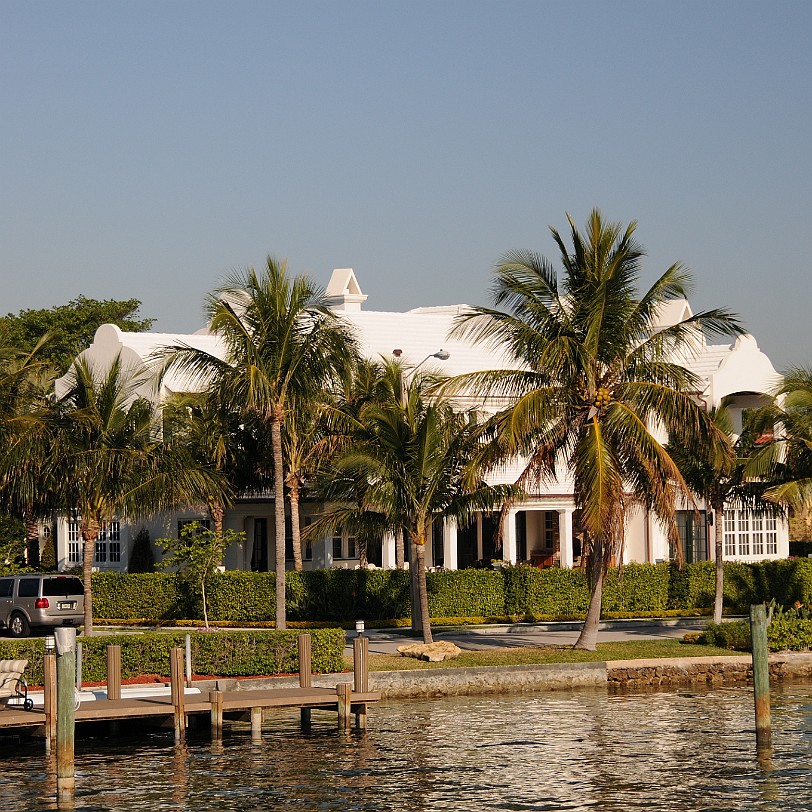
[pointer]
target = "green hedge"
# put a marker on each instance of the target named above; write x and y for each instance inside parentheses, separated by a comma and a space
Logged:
(220, 653)
(339, 595)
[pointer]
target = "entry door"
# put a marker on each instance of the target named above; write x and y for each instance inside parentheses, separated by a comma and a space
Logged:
(259, 556)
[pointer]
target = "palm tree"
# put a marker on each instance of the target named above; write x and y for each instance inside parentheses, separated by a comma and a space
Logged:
(785, 456)
(112, 460)
(720, 480)
(26, 382)
(593, 374)
(282, 345)
(417, 467)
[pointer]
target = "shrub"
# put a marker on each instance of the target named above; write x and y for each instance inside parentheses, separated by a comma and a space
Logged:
(142, 558)
(221, 653)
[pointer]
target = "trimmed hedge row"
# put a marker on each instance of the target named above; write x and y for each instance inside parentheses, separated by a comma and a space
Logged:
(220, 653)
(341, 595)
(783, 634)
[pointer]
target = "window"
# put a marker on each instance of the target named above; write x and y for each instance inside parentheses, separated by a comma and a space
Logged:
(28, 588)
(549, 530)
(750, 534)
(344, 546)
(693, 535)
(6, 587)
(204, 523)
(74, 543)
(108, 543)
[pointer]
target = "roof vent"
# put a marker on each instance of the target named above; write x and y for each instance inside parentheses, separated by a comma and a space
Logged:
(343, 291)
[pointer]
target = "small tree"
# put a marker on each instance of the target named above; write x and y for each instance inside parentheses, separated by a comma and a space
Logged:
(197, 554)
(141, 558)
(47, 560)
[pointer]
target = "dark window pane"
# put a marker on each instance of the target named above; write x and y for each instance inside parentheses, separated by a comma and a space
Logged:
(51, 587)
(28, 588)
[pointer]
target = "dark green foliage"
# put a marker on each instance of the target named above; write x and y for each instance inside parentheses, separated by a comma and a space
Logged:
(465, 592)
(339, 595)
(47, 559)
(157, 596)
(73, 324)
(142, 558)
(221, 653)
(12, 544)
(802, 549)
(735, 636)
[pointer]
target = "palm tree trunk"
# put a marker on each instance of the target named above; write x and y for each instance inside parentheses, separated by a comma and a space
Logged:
(32, 540)
(718, 536)
(399, 554)
(279, 518)
(419, 548)
(295, 531)
(588, 639)
(89, 530)
(217, 512)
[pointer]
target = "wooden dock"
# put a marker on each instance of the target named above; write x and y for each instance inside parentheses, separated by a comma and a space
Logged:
(345, 700)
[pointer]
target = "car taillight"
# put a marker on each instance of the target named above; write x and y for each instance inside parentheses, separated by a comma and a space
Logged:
(42, 603)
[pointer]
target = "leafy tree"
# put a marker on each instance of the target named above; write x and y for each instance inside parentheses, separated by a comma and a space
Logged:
(283, 343)
(112, 460)
(197, 554)
(141, 557)
(593, 372)
(48, 561)
(72, 326)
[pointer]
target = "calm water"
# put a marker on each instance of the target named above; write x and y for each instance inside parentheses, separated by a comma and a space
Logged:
(578, 751)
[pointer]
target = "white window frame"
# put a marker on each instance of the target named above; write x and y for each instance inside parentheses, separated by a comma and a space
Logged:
(346, 544)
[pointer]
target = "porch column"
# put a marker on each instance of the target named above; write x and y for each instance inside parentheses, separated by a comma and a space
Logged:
(388, 551)
(565, 537)
(509, 551)
(450, 544)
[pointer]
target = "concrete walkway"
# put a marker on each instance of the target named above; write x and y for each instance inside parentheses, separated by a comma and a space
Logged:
(386, 641)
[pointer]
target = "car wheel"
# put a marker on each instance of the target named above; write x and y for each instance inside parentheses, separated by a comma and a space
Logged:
(18, 625)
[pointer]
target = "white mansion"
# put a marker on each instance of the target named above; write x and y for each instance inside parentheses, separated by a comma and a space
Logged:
(539, 530)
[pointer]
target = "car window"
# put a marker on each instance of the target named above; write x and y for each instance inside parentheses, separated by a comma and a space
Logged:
(6, 587)
(28, 588)
(61, 585)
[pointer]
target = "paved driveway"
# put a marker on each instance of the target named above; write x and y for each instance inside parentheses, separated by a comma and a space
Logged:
(386, 641)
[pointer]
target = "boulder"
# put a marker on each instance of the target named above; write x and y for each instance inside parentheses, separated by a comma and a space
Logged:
(431, 652)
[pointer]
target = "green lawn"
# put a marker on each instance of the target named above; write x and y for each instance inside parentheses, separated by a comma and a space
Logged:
(634, 650)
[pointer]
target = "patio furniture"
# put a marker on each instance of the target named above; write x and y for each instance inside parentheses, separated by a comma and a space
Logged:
(13, 685)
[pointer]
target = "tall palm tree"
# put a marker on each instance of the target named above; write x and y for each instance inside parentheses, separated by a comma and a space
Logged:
(282, 344)
(594, 372)
(113, 461)
(417, 463)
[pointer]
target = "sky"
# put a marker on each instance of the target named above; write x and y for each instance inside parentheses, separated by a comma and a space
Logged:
(149, 149)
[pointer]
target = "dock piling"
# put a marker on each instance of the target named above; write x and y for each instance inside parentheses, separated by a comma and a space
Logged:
(344, 691)
(188, 661)
(49, 700)
(256, 724)
(761, 674)
(360, 661)
(65, 713)
(176, 682)
(114, 672)
(305, 674)
(216, 699)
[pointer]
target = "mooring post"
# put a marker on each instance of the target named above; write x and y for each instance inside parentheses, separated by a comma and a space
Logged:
(344, 691)
(216, 699)
(176, 683)
(188, 661)
(65, 713)
(360, 664)
(256, 724)
(79, 665)
(761, 674)
(305, 673)
(49, 700)
(114, 672)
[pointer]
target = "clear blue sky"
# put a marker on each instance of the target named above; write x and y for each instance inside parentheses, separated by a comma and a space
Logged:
(146, 149)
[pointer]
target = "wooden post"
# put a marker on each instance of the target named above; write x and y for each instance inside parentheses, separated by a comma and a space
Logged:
(176, 681)
(761, 674)
(65, 713)
(256, 724)
(216, 699)
(305, 674)
(114, 672)
(79, 665)
(360, 665)
(49, 702)
(188, 661)
(344, 691)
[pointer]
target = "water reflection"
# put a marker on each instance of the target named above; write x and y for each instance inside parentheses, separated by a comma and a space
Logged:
(577, 751)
